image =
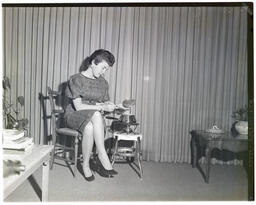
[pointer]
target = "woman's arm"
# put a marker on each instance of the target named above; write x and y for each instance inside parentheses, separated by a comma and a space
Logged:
(100, 106)
(82, 106)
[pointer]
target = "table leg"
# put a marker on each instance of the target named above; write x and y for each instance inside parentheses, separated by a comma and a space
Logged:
(138, 148)
(208, 163)
(194, 152)
(45, 181)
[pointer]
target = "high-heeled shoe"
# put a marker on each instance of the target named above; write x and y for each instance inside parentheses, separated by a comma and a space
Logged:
(102, 168)
(90, 178)
(95, 168)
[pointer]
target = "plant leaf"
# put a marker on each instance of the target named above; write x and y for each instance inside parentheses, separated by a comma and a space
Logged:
(6, 83)
(24, 122)
(21, 100)
(241, 114)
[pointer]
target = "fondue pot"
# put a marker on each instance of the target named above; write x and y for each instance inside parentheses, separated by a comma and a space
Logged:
(128, 118)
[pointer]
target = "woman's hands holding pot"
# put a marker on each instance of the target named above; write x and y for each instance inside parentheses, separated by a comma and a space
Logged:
(108, 106)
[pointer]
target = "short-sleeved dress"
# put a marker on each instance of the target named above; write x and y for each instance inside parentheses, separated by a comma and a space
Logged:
(91, 91)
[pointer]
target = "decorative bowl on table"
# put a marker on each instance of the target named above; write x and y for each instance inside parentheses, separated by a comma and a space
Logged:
(242, 127)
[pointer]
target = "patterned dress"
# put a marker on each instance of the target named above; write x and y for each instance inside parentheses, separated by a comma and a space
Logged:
(91, 91)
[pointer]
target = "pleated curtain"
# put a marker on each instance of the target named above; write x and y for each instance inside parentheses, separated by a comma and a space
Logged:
(185, 66)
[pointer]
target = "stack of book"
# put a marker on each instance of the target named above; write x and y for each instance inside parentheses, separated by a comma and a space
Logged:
(16, 142)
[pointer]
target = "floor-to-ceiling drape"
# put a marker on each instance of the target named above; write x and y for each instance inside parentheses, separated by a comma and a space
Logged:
(185, 66)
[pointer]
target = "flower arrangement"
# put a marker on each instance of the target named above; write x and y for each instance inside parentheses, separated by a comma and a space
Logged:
(11, 113)
(241, 114)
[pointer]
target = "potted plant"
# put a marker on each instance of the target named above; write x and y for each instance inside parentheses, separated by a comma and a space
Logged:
(11, 113)
(241, 117)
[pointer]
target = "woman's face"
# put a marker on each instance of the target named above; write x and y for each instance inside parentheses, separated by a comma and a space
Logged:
(99, 69)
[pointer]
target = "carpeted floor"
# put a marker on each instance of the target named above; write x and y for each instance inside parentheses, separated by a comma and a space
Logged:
(161, 182)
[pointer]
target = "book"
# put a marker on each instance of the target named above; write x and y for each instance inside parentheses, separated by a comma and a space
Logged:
(16, 140)
(18, 149)
(22, 144)
(10, 134)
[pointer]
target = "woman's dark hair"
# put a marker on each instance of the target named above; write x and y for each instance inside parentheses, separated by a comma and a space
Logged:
(97, 56)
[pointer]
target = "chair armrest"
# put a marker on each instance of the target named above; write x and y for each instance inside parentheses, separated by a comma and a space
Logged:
(54, 92)
(58, 111)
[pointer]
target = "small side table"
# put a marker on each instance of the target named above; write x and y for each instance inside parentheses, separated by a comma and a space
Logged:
(39, 156)
(134, 151)
(210, 141)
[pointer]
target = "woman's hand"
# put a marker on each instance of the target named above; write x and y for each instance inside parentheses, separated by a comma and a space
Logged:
(108, 106)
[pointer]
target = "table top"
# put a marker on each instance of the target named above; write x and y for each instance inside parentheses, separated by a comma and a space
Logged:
(32, 161)
(226, 136)
(222, 141)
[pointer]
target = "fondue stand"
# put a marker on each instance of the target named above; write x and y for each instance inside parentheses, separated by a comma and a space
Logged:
(128, 134)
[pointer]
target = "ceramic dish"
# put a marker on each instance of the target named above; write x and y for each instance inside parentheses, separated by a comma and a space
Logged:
(216, 131)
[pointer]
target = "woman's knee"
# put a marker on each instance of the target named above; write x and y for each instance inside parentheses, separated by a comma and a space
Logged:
(97, 117)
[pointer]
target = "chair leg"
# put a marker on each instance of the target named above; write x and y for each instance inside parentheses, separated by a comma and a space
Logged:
(76, 153)
(115, 151)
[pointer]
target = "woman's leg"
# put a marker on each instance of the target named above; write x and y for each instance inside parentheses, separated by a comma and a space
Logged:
(98, 133)
(87, 145)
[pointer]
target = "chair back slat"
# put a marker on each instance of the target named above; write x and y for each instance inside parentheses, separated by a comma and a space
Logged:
(52, 95)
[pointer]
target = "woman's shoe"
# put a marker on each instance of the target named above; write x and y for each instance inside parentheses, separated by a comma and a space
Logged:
(113, 172)
(102, 169)
(90, 178)
(95, 168)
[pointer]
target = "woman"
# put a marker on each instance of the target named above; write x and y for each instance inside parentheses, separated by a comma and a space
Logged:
(88, 94)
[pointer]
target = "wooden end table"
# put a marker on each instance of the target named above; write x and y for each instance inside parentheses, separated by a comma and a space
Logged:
(210, 141)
